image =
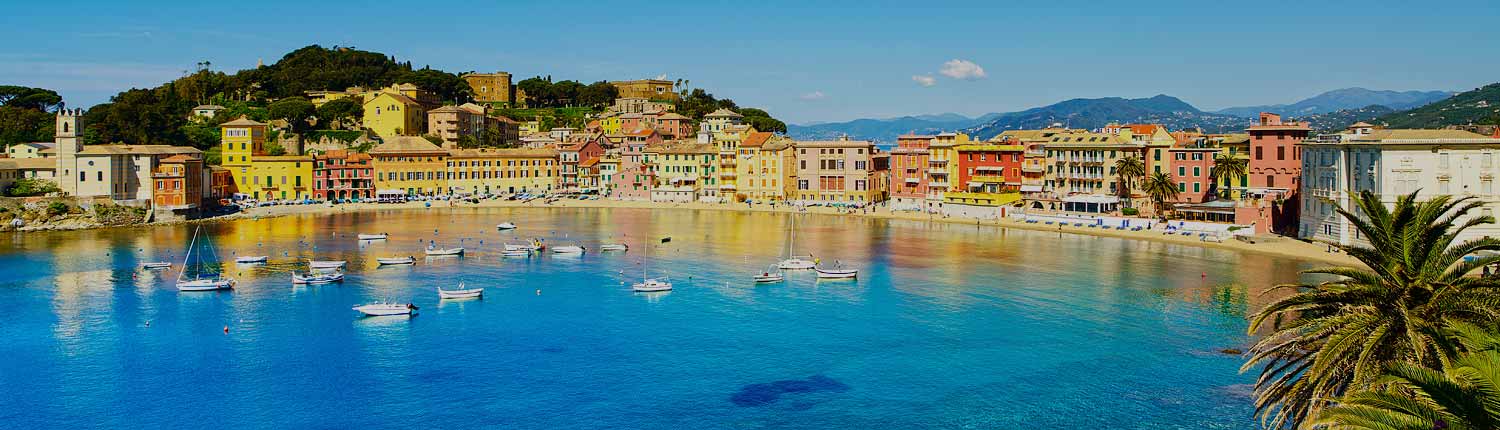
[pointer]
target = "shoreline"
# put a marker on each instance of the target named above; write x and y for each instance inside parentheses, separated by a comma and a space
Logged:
(1277, 246)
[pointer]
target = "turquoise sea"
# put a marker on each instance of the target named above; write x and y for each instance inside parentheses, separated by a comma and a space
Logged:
(949, 326)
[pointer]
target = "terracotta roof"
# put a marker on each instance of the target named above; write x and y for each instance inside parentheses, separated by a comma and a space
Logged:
(243, 121)
(503, 153)
(137, 150)
(1143, 128)
(405, 144)
(399, 97)
(29, 163)
(1082, 138)
(179, 158)
(671, 115)
(589, 162)
(446, 109)
(777, 143)
(724, 113)
(683, 148)
(757, 139)
(641, 132)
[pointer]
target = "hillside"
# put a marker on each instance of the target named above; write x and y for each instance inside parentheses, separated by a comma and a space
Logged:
(1335, 121)
(885, 130)
(1169, 111)
(1342, 99)
(1479, 106)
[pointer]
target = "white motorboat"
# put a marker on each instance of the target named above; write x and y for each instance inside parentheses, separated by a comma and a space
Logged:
(770, 276)
(213, 281)
(837, 271)
(435, 252)
(156, 265)
(505, 226)
(522, 247)
(317, 278)
(396, 260)
(652, 285)
(380, 236)
(325, 264)
(460, 293)
(614, 247)
(568, 249)
(250, 259)
(515, 253)
(794, 262)
(386, 309)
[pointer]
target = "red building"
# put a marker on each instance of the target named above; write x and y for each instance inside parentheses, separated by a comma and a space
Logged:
(179, 183)
(571, 154)
(1190, 167)
(990, 168)
(220, 185)
(909, 172)
(340, 175)
(1275, 171)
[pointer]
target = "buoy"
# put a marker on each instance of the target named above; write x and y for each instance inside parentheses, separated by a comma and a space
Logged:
(226, 329)
(148, 323)
(539, 292)
(1205, 274)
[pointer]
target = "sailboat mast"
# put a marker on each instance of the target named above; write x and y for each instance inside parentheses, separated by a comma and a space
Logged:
(189, 256)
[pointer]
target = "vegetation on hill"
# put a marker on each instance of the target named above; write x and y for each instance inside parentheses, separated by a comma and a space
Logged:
(1478, 106)
(697, 103)
(24, 114)
(1094, 113)
(543, 93)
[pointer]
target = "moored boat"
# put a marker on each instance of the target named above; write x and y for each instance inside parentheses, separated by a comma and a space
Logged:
(515, 253)
(460, 293)
(444, 251)
(652, 285)
(206, 284)
(317, 278)
(794, 262)
(156, 265)
(568, 249)
(837, 271)
(325, 264)
(769, 276)
(614, 247)
(250, 259)
(200, 282)
(382, 309)
(505, 226)
(396, 260)
(377, 236)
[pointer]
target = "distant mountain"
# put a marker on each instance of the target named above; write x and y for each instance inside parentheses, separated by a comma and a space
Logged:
(1166, 110)
(885, 130)
(1341, 99)
(1479, 106)
(1335, 121)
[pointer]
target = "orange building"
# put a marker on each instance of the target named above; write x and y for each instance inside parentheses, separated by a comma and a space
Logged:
(179, 182)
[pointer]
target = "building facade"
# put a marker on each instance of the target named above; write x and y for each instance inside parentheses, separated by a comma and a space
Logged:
(650, 89)
(341, 175)
(496, 171)
(491, 87)
(410, 165)
(842, 171)
(909, 172)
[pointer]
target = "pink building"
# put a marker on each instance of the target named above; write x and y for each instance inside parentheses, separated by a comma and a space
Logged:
(672, 125)
(634, 180)
(1189, 170)
(1275, 171)
(909, 172)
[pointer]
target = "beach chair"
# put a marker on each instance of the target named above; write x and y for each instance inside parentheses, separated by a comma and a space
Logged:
(1048, 223)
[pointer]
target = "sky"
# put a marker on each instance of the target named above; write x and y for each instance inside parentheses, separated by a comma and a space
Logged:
(803, 61)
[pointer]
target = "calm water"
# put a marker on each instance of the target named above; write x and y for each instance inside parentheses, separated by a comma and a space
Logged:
(948, 326)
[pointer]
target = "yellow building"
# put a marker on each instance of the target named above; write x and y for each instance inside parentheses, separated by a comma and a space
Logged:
(495, 171)
(653, 89)
(410, 164)
(260, 176)
(391, 114)
(610, 124)
(684, 171)
(765, 168)
(527, 128)
(491, 87)
(942, 164)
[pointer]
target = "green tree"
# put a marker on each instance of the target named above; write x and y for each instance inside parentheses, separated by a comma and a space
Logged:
(339, 113)
(598, 95)
(538, 92)
(1339, 336)
(1465, 395)
(139, 117)
(1130, 170)
(1227, 169)
(18, 125)
(1162, 191)
(566, 93)
(295, 110)
(28, 187)
(762, 120)
(29, 98)
(447, 86)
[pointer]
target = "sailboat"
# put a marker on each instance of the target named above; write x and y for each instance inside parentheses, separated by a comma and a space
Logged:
(199, 282)
(650, 285)
(793, 262)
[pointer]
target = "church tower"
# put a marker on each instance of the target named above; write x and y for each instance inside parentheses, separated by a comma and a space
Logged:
(68, 147)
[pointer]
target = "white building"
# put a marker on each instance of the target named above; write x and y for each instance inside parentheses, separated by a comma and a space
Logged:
(1393, 163)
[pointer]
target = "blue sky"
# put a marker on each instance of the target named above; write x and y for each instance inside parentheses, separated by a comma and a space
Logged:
(803, 62)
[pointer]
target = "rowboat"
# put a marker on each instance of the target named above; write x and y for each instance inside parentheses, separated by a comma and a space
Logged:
(838, 271)
(614, 247)
(444, 251)
(317, 278)
(386, 309)
(156, 265)
(250, 259)
(380, 236)
(325, 264)
(652, 285)
(568, 249)
(505, 226)
(522, 247)
(396, 260)
(460, 293)
(515, 253)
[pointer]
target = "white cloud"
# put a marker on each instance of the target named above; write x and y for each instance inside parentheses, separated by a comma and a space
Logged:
(815, 95)
(924, 80)
(962, 69)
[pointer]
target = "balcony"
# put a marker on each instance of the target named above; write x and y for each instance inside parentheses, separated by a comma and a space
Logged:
(992, 179)
(938, 184)
(937, 171)
(1032, 169)
(937, 163)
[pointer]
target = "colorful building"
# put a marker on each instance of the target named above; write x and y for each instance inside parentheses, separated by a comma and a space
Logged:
(843, 171)
(909, 172)
(392, 114)
(410, 165)
(491, 87)
(683, 171)
(496, 171)
(178, 180)
(340, 175)
(1190, 171)
(766, 166)
(451, 123)
(651, 89)
(1271, 201)
(570, 155)
(257, 175)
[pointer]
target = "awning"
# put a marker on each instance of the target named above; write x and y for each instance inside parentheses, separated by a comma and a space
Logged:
(1031, 188)
(1091, 198)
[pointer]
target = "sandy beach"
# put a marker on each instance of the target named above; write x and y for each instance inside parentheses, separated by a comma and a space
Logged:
(1278, 246)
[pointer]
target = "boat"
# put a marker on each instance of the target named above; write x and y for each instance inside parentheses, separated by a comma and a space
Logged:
(325, 264)
(250, 259)
(505, 226)
(431, 251)
(380, 236)
(156, 265)
(614, 247)
(522, 247)
(515, 253)
(460, 293)
(317, 278)
(213, 282)
(793, 262)
(652, 285)
(568, 249)
(396, 260)
(382, 309)
(770, 276)
(838, 271)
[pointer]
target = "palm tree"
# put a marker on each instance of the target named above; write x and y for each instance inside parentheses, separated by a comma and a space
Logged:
(1341, 335)
(1227, 169)
(1162, 191)
(1464, 396)
(1129, 170)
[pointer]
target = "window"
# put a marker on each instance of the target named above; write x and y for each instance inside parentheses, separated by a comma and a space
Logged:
(1181, 171)
(1281, 153)
(1182, 187)
(1197, 171)
(1258, 151)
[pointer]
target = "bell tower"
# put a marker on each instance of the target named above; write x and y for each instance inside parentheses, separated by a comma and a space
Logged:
(68, 147)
